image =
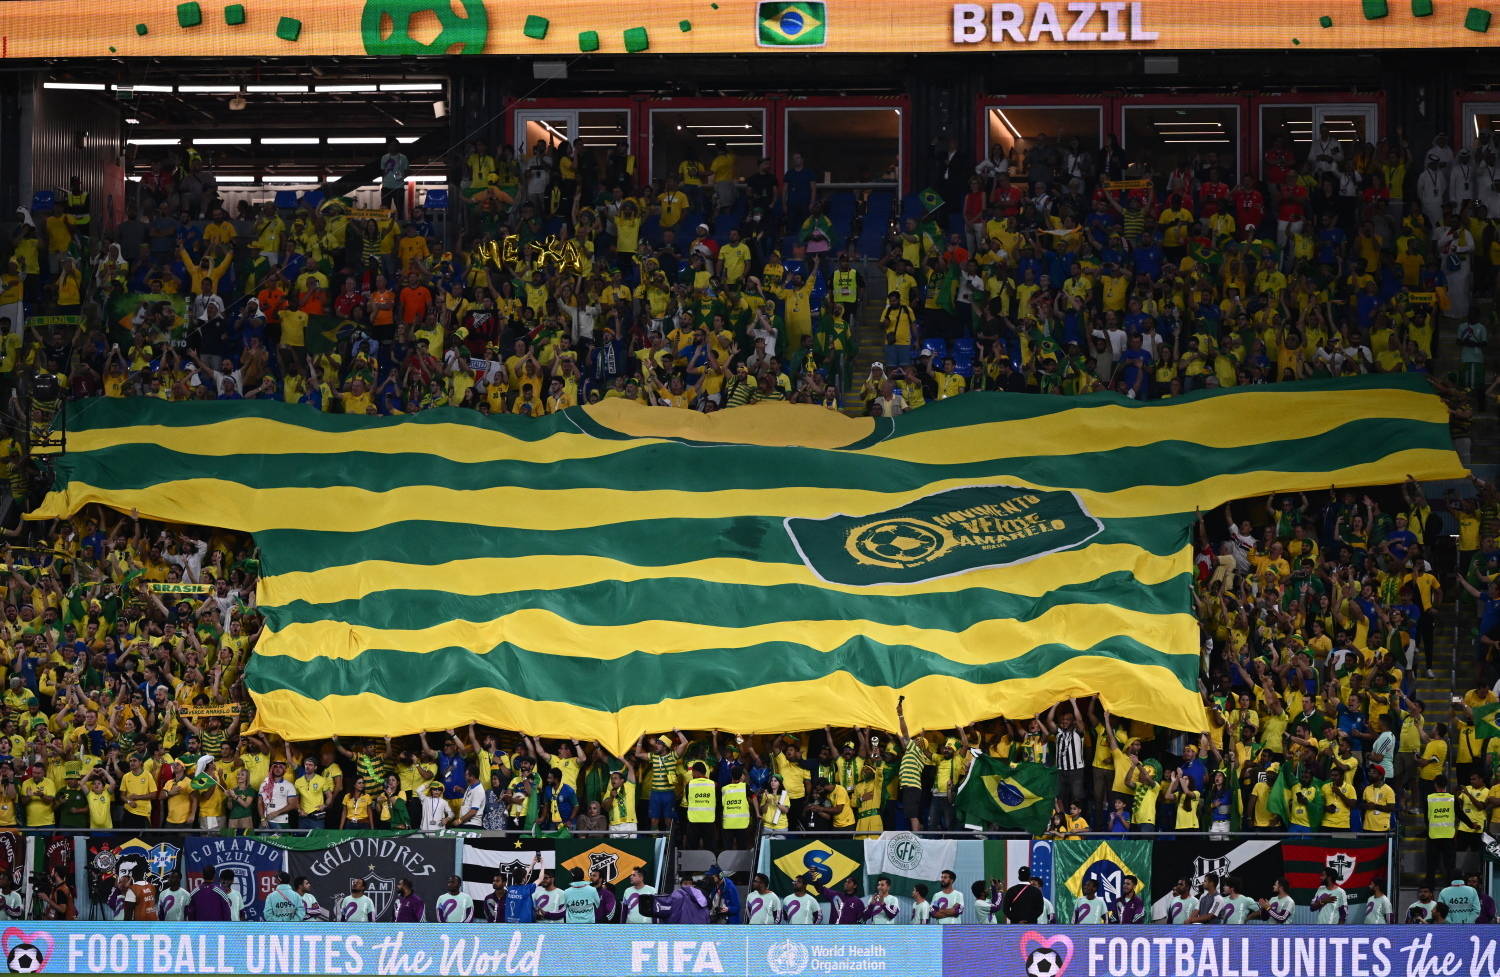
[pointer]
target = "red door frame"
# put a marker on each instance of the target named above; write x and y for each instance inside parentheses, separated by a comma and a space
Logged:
(1460, 101)
(1248, 151)
(1239, 102)
(770, 104)
(1103, 102)
(900, 102)
(1257, 151)
(629, 105)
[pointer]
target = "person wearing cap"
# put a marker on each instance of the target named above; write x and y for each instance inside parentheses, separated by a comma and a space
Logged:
(72, 805)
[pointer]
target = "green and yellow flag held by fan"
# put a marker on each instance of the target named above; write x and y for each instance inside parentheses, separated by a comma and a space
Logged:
(1486, 723)
(1009, 795)
(614, 569)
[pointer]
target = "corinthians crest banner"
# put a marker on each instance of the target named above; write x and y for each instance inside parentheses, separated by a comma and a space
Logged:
(614, 570)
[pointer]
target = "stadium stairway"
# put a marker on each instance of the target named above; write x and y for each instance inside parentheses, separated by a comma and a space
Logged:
(1454, 674)
(868, 335)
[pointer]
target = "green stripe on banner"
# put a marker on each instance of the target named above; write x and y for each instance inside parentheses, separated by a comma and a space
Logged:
(640, 543)
(959, 411)
(641, 678)
(652, 466)
(614, 602)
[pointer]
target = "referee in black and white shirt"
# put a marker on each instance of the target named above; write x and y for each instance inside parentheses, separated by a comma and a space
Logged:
(1068, 756)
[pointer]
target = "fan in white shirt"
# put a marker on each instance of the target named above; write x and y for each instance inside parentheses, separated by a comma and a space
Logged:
(762, 906)
(801, 906)
(172, 900)
(883, 908)
(630, 905)
(455, 905)
(948, 903)
(356, 907)
(1090, 909)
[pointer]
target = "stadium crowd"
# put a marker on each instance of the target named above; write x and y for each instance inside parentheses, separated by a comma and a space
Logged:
(126, 641)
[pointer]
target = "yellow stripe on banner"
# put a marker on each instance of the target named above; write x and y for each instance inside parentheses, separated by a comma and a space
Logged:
(1218, 422)
(501, 575)
(543, 631)
(258, 435)
(215, 502)
(1146, 693)
(774, 424)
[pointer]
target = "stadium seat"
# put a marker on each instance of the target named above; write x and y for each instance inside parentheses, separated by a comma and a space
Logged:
(938, 347)
(286, 199)
(435, 199)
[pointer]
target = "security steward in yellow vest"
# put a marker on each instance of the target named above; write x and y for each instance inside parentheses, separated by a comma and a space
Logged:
(734, 801)
(702, 810)
(1442, 824)
(845, 284)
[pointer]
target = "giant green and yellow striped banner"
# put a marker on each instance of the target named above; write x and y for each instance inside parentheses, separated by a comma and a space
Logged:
(617, 569)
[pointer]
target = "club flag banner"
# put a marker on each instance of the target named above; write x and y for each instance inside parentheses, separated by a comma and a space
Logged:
(381, 862)
(615, 857)
(1106, 862)
(1486, 725)
(825, 864)
(514, 857)
(613, 570)
(1355, 862)
(1010, 795)
(1255, 862)
(253, 863)
(907, 859)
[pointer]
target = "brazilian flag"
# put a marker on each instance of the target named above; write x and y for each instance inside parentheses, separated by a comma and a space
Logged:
(931, 200)
(1486, 725)
(800, 23)
(1282, 803)
(1106, 862)
(1011, 795)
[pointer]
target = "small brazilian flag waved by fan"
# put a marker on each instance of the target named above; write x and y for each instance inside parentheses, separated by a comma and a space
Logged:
(1486, 720)
(798, 23)
(1010, 795)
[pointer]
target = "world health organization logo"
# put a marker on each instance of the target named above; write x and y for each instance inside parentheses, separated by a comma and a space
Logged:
(944, 534)
(786, 957)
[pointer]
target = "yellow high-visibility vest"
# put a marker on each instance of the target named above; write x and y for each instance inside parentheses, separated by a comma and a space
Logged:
(736, 807)
(1441, 817)
(845, 286)
(700, 800)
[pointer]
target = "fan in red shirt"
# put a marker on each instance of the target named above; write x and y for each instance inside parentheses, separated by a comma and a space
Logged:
(1249, 204)
(1293, 206)
(346, 301)
(1007, 198)
(1212, 193)
(1279, 163)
